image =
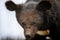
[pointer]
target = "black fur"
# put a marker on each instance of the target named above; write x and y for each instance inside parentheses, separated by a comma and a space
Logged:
(44, 5)
(10, 5)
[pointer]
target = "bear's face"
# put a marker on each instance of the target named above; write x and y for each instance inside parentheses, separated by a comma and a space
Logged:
(30, 21)
(29, 16)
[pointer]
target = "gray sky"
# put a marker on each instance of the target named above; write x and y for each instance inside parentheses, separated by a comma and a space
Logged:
(8, 23)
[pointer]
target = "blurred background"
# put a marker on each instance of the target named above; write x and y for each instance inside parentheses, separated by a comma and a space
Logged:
(9, 27)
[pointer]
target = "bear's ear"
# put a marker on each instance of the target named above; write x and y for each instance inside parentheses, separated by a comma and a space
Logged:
(43, 5)
(10, 5)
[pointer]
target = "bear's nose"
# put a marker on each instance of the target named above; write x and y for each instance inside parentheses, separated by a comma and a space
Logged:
(28, 36)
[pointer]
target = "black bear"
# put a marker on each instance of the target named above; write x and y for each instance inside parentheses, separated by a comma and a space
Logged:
(33, 17)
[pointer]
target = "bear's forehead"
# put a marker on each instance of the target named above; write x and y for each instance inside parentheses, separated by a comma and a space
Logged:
(30, 15)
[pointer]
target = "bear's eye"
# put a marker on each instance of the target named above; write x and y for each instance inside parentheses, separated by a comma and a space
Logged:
(23, 23)
(33, 23)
